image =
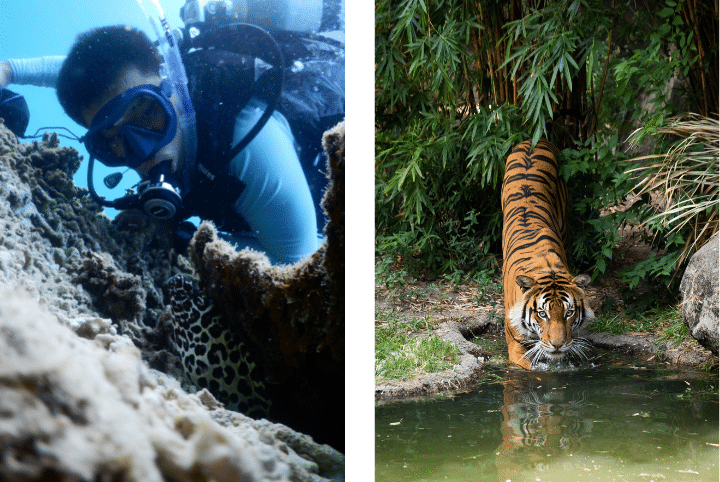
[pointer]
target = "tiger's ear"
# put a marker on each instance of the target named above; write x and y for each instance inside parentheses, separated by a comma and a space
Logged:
(524, 282)
(582, 280)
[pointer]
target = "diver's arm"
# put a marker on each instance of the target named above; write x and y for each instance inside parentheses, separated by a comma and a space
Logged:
(6, 74)
(40, 71)
(276, 201)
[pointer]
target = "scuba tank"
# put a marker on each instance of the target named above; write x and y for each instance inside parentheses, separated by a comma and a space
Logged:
(308, 16)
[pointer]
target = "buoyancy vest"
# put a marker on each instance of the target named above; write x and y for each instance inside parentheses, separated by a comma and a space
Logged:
(224, 75)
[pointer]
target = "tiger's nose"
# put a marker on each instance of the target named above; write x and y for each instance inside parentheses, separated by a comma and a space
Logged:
(556, 346)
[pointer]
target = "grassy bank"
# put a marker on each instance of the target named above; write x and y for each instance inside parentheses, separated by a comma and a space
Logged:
(405, 347)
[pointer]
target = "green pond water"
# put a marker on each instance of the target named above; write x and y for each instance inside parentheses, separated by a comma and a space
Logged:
(611, 420)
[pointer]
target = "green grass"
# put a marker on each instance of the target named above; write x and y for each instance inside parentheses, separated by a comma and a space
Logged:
(488, 289)
(665, 321)
(675, 331)
(401, 354)
(618, 324)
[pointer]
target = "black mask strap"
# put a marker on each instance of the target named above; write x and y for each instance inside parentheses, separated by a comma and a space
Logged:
(37, 134)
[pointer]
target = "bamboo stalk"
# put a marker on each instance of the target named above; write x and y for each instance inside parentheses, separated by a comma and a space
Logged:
(605, 71)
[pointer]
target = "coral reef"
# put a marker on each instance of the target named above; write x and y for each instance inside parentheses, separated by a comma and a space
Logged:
(292, 316)
(56, 230)
(81, 310)
(120, 294)
(77, 409)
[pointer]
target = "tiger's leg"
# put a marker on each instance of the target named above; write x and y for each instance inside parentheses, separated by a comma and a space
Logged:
(516, 350)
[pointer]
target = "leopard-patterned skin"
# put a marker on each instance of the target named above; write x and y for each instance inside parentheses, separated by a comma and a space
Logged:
(214, 357)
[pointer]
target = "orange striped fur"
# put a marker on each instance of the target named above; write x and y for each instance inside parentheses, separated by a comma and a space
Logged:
(544, 304)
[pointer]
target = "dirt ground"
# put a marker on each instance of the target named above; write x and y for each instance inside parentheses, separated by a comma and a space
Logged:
(462, 312)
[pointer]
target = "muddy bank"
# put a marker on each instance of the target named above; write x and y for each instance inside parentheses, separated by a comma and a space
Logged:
(647, 348)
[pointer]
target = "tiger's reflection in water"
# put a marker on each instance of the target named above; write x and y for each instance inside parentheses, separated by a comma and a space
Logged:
(542, 420)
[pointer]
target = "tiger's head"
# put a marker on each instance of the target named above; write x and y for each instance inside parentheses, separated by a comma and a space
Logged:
(549, 312)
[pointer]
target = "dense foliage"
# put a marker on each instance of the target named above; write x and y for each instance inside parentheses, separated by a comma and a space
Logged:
(459, 83)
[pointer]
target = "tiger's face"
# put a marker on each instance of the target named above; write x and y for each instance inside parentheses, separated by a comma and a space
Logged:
(546, 316)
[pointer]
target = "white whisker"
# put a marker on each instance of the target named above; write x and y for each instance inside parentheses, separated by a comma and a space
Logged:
(580, 347)
(539, 354)
(534, 353)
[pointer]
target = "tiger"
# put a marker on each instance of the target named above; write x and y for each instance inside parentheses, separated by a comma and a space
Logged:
(544, 304)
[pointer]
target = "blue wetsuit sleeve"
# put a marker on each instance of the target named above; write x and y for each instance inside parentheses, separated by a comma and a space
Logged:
(276, 202)
(40, 71)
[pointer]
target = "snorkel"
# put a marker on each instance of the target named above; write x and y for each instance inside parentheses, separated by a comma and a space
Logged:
(174, 70)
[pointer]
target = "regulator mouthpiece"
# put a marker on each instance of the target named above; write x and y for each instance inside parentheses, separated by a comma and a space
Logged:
(160, 197)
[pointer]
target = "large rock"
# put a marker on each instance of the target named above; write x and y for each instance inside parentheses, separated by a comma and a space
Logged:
(699, 288)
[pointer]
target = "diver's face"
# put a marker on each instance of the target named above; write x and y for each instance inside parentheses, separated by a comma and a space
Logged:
(131, 77)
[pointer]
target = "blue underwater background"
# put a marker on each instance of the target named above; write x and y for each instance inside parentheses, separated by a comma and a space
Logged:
(33, 28)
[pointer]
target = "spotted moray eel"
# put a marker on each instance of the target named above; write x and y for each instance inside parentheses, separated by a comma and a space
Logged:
(213, 356)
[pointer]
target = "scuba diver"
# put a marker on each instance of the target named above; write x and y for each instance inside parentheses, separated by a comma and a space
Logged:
(222, 120)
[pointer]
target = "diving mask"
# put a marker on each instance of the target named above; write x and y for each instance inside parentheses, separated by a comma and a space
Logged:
(132, 127)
